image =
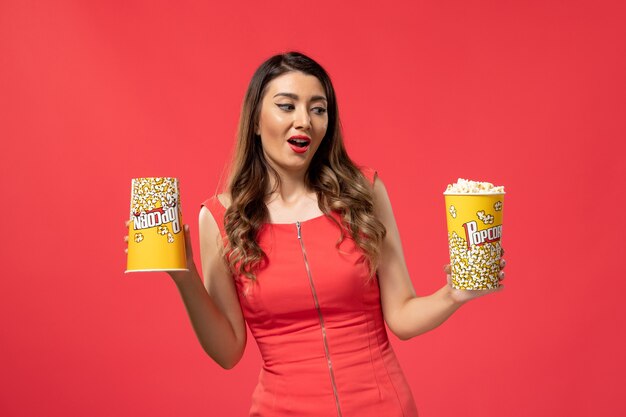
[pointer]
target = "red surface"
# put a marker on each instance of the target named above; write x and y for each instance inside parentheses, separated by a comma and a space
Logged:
(525, 94)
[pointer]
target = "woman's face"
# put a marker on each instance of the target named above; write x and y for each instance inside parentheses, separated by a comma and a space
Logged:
(293, 113)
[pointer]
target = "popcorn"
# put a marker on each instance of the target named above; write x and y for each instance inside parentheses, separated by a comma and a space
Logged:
(476, 268)
(463, 186)
(486, 218)
(453, 212)
(158, 194)
(497, 206)
(138, 237)
(153, 193)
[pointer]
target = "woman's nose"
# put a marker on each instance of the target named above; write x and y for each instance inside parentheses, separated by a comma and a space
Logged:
(302, 118)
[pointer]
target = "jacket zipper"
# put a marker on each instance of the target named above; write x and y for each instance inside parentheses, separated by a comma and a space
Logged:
(321, 318)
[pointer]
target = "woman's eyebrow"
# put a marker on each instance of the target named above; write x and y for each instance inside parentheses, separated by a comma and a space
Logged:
(295, 96)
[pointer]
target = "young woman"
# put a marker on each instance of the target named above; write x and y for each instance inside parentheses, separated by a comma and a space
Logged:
(302, 245)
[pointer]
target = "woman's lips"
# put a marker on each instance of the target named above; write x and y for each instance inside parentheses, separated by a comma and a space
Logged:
(299, 140)
(298, 149)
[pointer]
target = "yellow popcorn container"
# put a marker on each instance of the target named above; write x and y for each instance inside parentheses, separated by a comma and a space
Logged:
(156, 240)
(474, 233)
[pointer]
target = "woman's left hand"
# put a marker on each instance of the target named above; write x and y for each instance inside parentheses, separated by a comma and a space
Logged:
(462, 296)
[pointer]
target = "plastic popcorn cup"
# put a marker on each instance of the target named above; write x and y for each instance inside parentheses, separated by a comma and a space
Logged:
(156, 241)
(474, 233)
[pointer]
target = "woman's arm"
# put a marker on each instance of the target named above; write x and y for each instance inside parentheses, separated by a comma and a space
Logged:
(406, 314)
(213, 308)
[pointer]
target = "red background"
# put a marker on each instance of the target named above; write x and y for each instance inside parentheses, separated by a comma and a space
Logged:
(526, 94)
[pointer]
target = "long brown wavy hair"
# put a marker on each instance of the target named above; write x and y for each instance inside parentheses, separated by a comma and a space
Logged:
(337, 181)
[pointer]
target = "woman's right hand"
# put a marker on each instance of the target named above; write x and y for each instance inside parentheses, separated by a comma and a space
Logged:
(212, 303)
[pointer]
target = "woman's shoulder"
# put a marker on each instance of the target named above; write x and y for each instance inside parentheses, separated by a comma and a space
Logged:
(217, 202)
(216, 206)
(224, 199)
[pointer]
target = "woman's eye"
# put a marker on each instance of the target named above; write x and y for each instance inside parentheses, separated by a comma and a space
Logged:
(319, 110)
(285, 106)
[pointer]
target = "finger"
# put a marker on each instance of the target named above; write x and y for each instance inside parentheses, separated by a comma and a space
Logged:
(501, 251)
(126, 238)
(502, 263)
(127, 222)
(126, 251)
(501, 275)
(446, 269)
